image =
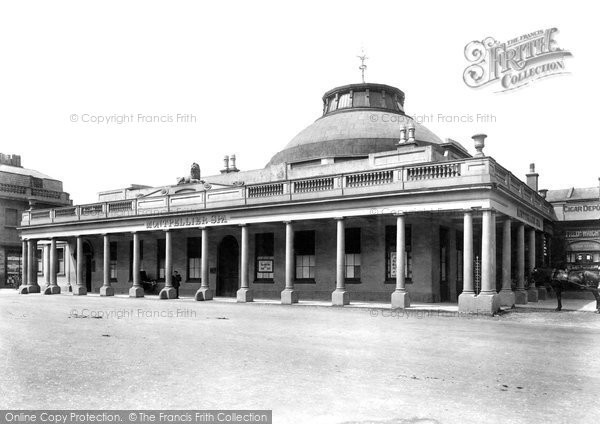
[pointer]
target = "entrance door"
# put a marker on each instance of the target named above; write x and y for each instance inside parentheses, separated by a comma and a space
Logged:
(228, 267)
(444, 266)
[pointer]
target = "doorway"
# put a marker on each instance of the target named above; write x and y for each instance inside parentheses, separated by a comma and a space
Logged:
(228, 267)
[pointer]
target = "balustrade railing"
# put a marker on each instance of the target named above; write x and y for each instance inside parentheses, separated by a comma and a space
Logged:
(370, 178)
(429, 172)
(314, 184)
(265, 190)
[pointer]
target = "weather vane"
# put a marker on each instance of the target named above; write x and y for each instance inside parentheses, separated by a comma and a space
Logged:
(362, 66)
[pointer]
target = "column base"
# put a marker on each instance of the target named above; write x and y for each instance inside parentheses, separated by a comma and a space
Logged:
(520, 297)
(52, 290)
(289, 296)
(29, 288)
(244, 295)
(79, 290)
(204, 293)
(167, 293)
(487, 304)
(532, 295)
(400, 299)
(107, 291)
(466, 303)
(340, 298)
(136, 292)
(542, 293)
(507, 298)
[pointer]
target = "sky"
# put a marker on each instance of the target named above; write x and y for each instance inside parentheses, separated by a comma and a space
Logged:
(251, 74)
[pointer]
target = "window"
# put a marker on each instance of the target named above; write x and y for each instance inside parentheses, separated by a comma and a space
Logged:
(40, 261)
(11, 217)
(60, 260)
(390, 253)
(304, 249)
(333, 104)
(113, 260)
(264, 252)
(352, 238)
(160, 258)
(194, 251)
(376, 99)
(344, 101)
(360, 99)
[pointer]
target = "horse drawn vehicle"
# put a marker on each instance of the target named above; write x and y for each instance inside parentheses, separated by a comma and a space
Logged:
(561, 279)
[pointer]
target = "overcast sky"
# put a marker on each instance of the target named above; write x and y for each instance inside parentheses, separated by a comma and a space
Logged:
(253, 73)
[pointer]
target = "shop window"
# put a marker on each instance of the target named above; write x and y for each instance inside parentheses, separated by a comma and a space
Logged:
(390, 253)
(304, 250)
(264, 256)
(352, 252)
(40, 261)
(194, 252)
(160, 258)
(113, 260)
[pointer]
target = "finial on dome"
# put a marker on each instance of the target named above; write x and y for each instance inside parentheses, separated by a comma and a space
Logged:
(362, 66)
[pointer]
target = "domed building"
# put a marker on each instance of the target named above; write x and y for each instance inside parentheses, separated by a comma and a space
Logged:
(365, 204)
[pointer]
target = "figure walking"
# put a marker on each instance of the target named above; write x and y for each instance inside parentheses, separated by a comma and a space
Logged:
(176, 283)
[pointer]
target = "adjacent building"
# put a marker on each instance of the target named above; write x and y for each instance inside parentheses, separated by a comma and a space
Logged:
(364, 204)
(22, 189)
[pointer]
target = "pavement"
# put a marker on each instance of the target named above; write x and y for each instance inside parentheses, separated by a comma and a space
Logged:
(308, 363)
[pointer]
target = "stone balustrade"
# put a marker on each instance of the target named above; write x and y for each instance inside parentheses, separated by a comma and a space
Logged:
(372, 181)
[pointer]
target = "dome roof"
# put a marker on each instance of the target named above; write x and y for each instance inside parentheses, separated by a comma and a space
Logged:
(357, 119)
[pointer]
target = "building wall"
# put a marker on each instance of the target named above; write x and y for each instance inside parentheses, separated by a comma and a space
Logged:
(424, 287)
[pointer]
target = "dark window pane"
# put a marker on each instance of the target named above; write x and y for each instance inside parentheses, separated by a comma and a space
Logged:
(304, 242)
(352, 240)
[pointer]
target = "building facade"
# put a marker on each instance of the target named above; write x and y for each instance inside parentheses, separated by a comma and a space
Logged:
(22, 189)
(364, 204)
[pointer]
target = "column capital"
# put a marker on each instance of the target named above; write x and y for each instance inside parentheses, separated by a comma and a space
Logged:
(339, 218)
(289, 221)
(243, 225)
(397, 214)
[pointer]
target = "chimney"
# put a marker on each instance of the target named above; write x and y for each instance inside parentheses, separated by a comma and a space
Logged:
(532, 177)
(232, 167)
(225, 169)
(402, 135)
(411, 134)
(479, 140)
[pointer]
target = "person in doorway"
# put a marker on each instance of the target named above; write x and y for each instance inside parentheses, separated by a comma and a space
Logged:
(176, 283)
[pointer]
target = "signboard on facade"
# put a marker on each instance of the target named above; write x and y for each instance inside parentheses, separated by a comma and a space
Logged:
(581, 211)
(265, 265)
(582, 234)
(186, 221)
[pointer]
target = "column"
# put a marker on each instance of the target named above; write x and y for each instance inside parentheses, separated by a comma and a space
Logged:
(532, 293)
(205, 292)
(80, 288)
(168, 291)
(46, 261)
(340, 296)
(32, 284)
(53, 287)
(244, 294)
(488, 301)
(520, 293)
(289, 295)
(24, 268)
(466, 300)
(136, 290)
(106, 289)
(507, 297)
(400, 298)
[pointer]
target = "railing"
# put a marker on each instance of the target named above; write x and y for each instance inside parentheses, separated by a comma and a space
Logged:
(121, 206)
(12, 188)
(314, 184)
(58, 213)
(265, 190)
(468, 171)
(45, 193)
(428, 172)
(370, 178)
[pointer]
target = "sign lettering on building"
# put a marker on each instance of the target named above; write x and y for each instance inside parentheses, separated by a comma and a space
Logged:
(582, 234)
(581, 211)
(529, 218)
(186, 221)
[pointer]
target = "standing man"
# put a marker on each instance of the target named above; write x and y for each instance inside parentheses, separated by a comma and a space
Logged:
(176, 283)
